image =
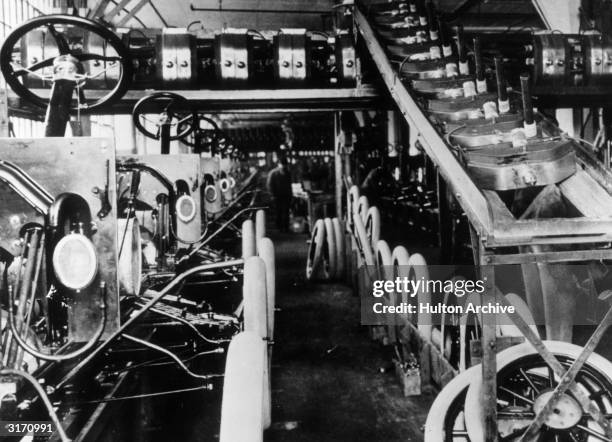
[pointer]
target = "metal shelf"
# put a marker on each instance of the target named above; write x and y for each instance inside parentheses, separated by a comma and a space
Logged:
(252, 100)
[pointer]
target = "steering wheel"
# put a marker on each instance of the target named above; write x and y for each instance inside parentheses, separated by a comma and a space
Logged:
(66, 48)
(174, 111)
(206, 138)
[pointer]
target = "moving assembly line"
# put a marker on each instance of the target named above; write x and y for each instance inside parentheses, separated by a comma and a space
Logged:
(108, 255)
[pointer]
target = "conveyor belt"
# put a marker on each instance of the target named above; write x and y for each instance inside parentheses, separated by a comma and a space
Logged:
(491, 220)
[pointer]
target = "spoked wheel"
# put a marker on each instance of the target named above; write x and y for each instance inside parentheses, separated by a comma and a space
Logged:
(524, 384)
(243, 389)
(164, 115)
(445, 420)
(67, 42)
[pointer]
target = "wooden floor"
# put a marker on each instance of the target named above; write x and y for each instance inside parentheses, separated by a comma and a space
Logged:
(329, 381)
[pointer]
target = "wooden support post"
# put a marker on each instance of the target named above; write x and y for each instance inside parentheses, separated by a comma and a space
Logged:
(489, 351)
(132, 13)
(338, 148)
(98, 10)
(116, 10)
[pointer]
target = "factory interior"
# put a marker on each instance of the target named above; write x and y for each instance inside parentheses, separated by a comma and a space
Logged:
(306, 220)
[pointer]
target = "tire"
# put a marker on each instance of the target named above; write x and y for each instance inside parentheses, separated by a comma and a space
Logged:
(315, 250)
(256, 317)
(363, 242)
(400, 259)
(248, 239)
(340, 249)
(129, 265)
(352, 196)
(384, 260)
(332, 252)
(372, 225)
(424, 324)
(254, 295)
(260, 224)
(365, 262)
(447, 401)
(385, 272)
(362, 207)
(243, 390)
(473, 409)
(266, 253)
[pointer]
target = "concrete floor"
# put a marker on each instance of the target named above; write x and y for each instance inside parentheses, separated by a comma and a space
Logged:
(327, 380)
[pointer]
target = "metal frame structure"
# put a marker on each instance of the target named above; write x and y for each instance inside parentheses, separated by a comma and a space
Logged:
(494, 229)
(253, 100)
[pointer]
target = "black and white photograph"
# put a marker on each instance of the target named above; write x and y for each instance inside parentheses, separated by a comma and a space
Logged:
(306, 220)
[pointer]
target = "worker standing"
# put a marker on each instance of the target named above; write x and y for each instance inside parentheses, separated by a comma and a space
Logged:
(279, 186)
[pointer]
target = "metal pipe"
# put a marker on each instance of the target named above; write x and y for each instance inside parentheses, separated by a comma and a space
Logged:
(132, 13)
(462, 53)
(502, 92)
(478, 60)
(265, 11)
(168, 353)
(188, 324)
(172, 284)
(25, 186)
(338, 164)
(527, 102)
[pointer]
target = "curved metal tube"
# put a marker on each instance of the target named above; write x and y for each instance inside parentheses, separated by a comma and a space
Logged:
(171, 355)
(25, 186)
(189, 325)
(66, 205)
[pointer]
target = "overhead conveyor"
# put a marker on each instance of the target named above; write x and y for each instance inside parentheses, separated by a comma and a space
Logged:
(498, 235)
